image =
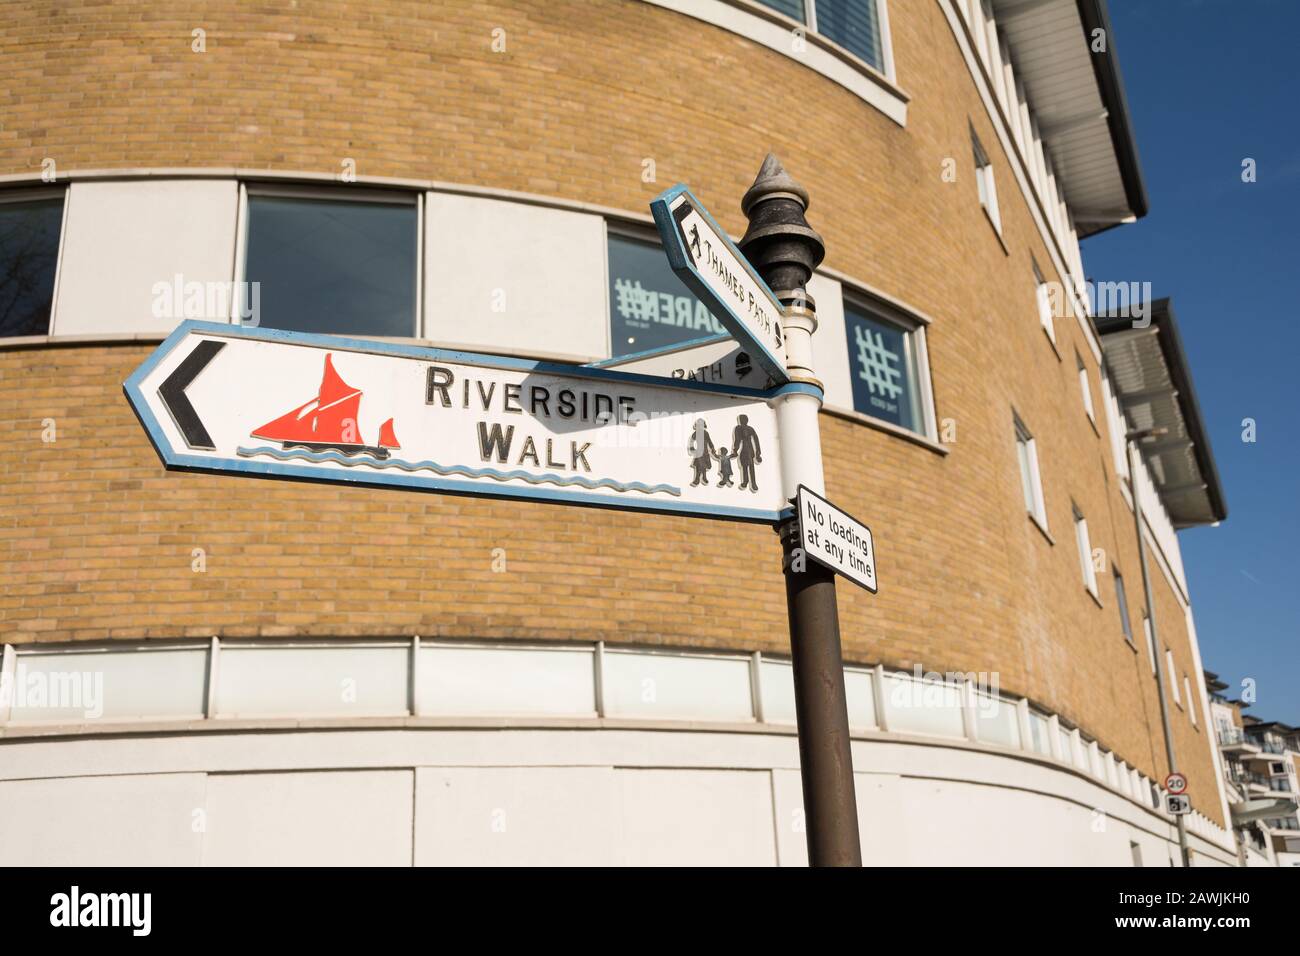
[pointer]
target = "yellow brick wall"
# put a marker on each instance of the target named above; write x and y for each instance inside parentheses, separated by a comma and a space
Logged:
(96, 540)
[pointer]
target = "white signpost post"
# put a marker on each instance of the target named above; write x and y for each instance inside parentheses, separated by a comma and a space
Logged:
(715, 270)
(222, 398)
(836, 539)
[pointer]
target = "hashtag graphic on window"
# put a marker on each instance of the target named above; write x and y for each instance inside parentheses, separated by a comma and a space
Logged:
(877, 364)
(633, 302)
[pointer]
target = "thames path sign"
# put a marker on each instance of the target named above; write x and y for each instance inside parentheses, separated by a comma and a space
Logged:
(229, 399)
(704, 258)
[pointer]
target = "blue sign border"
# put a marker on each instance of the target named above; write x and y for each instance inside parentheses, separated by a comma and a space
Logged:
(175, 460)
(684, 268)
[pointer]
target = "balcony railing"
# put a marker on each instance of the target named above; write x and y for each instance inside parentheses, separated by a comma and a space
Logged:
(1230, 736)
(1285, 823)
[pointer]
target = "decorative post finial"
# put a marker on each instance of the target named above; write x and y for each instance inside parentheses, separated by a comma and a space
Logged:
(779, 242)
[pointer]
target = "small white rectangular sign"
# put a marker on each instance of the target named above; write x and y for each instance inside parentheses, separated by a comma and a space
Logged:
(704, 258)
(836, 539)
(282, 404)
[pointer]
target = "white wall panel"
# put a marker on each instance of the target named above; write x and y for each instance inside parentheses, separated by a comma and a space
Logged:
(345, 818)
(830, 347)
(124, 237)
(142, 820)
(517, 816)
(507, 275)
(697, 818)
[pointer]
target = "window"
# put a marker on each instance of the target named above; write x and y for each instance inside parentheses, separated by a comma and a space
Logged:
(856, 25)
(1136, 852)
(1151, 643)
(338, 266)
(643, 684)
(1043, 296)
(1187, 692)
(1121, 598)
(883, 368)
(1085, 388)
(534, 681)
(649, 307)
(984, 181)
(1085, 551)
(30, 224)
(1030, 481)
(1173, 679)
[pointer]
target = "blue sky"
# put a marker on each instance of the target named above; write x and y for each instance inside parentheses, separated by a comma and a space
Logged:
(1209, 85)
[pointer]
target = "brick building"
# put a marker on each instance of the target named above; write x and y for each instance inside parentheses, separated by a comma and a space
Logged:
(467, 679)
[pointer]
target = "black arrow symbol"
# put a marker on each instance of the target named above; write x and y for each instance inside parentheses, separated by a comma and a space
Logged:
(172, 393)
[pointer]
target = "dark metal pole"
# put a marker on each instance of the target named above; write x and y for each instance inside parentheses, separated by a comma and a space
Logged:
(1130, 442)
(785, 250)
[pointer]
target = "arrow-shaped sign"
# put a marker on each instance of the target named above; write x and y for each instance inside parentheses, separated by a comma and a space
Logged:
(172, 393)
(703, 257)
(230, 399)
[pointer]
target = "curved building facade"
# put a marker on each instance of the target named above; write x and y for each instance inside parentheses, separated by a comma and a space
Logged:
(224, 669)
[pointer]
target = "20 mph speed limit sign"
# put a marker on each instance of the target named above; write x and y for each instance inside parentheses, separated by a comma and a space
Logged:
(1176, 783)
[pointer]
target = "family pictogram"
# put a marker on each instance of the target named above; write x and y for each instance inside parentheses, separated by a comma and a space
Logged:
(745, 448)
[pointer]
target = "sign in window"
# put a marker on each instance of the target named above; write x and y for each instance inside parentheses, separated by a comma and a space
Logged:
(649, 307)
(882, 366)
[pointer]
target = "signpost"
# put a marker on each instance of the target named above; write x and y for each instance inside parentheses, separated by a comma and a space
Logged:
(836, 539)
(1176, 783)
(222, 398)
(715, 270)
(270, 403)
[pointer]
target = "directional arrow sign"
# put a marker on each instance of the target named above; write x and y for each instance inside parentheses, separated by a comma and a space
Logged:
(716, 359)
(720, 275)
(269, 403)
(836, 539)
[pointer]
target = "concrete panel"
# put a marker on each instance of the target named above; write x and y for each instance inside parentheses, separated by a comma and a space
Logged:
(123, 238)
(516, 816)
(510, 276)
(145, 820)
(697, 818)
(357, 818)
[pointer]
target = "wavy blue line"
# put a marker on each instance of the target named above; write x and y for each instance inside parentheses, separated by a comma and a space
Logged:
(547, 479)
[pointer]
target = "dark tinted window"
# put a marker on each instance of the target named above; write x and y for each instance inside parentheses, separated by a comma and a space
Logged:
(649, 307)
(29, 253)
(333, 266)
(854, 25)
(791, 8)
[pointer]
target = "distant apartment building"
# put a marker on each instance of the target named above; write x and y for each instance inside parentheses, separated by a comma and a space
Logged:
(1261, 763)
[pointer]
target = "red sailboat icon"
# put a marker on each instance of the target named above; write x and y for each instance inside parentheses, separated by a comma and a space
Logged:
(328, 422)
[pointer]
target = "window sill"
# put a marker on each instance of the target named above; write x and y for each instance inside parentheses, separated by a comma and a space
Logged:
(997, 230)
(775, 31)
(1092, 420)
(1093, 594)
(888, 428)
(1033, 519)
(1051, 340)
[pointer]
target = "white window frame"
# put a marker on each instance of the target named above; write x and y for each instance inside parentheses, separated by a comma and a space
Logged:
(986, 183)
(1085, 552)
(1085, 387)
(1173, 676)
(1151, 641)
(1121, 600)
(886, 67)
(1187, 692)
(348, 192)
(1044, 301)
(1036, 506)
